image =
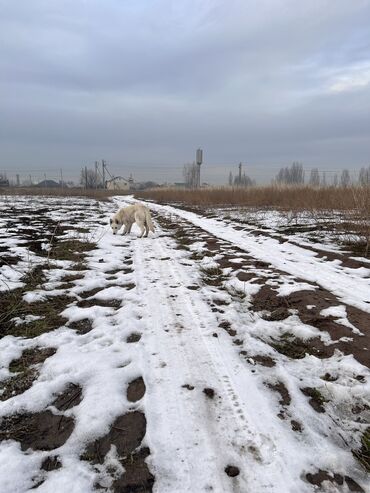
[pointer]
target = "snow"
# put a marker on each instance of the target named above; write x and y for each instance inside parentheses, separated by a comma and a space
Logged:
(350, 285)
(192, 438)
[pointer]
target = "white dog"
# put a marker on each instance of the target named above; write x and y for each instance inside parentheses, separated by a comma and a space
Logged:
(128, 216)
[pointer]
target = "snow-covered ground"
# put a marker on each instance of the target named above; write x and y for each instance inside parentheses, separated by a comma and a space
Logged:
(229, 406)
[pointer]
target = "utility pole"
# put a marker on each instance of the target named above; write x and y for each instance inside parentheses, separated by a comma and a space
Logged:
(104, 164)
(61, 178)
(240, 174)
(30, 180)
(86, 177)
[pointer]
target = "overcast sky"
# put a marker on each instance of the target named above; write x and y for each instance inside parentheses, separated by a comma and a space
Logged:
(143, 83)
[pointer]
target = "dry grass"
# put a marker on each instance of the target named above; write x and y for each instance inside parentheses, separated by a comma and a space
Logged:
(350, 206)
(285, 197)
(64, 192)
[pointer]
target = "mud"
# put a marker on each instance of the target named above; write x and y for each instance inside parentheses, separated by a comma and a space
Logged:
(320, 476)
(39, 431)
(94, 302)
(126, 433)
(26, 371)
(82, 327)
(136, 390)
(316, 400)
(134, 337)
(71, 397)
(279, 387)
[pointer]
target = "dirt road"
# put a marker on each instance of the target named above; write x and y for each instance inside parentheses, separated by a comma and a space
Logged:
(204, 358)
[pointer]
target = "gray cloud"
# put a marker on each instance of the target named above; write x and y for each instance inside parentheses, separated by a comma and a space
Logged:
(143, 83)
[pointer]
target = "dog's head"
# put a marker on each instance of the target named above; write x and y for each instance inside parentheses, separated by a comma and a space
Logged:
(115, 225)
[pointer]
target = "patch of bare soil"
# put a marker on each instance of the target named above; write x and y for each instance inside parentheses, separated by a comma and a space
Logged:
(316, 400)
(210, 393)
(136, 390)
(49, 311)
(280, 388)
(73, 250)
(126, 434)
(317, 300)
(9, 259)
(232, 471)
(95, 302)
(320, 476)
(39, 431)
(26, 369)
(296, 348)
(260, 359)
(69, 398)
(321, 299)
(89, 293)
(51, 463)
(134, 337)
(227, 327)
(81, 326)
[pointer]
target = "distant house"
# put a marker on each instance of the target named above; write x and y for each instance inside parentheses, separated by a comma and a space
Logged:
(118, 183)
(48, 184)
(4, 182)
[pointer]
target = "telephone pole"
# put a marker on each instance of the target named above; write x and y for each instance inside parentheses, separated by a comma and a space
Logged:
(240, 174)
(104, 164)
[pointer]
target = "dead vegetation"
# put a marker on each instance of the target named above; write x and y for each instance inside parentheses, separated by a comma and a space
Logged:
(92, 193)
(347, 210)
(25, 371)
(287, 197)
(363, 454)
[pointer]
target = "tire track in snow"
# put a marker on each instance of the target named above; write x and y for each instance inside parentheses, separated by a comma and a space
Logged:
(186, 430)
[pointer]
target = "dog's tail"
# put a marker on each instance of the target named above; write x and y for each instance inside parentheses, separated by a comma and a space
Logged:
(148, 220)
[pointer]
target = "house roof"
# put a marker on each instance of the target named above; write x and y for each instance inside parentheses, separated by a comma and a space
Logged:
(118, 178)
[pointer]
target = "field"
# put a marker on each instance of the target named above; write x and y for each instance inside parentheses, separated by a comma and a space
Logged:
(227, 352)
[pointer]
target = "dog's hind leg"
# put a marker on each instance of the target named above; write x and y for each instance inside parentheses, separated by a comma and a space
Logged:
(141, 225)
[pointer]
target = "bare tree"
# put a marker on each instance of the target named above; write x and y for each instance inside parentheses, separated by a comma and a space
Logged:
(244, 181)
(314, 177)
(345, 179)
(190, 173)
(291, 176)
(89, 178)
(230, 179)
(364, 176)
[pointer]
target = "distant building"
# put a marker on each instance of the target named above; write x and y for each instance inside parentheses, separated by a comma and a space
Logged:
(118, 183)
(48, 184)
